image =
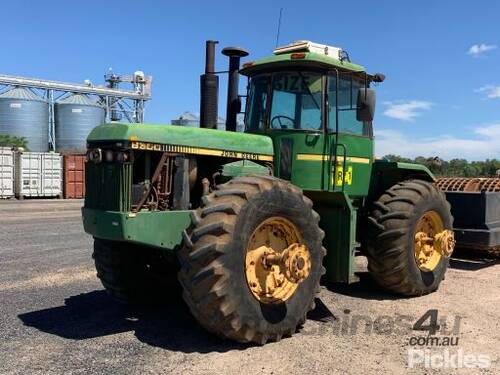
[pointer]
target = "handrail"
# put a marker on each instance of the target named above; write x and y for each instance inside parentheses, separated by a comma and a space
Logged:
(334, 161)
(343, 162)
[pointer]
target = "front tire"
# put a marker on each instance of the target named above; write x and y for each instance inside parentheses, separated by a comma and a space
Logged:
(132, 273)
(214, 260)
(394, 257)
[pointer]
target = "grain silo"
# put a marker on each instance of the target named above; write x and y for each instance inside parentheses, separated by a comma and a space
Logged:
(75, 116)
(24, 114)
(191, 120)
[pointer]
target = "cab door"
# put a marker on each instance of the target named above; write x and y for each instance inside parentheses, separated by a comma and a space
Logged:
(296, 125)
(301, 159)
(351, 141)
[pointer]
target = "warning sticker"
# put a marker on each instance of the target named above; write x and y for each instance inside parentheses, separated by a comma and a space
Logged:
(339, 177)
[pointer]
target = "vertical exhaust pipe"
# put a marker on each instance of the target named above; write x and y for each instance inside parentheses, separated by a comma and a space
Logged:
(233, 99)
(209, 89)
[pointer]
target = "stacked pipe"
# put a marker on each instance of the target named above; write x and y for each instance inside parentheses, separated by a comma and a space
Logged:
(209, 89)
(475, 206)
(233, 98)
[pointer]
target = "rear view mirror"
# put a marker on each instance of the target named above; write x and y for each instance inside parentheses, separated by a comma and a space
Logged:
(365, 105)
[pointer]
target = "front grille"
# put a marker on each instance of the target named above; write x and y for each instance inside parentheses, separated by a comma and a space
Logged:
(108, 186)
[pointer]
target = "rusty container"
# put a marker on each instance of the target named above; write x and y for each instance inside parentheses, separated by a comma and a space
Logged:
(74, 176)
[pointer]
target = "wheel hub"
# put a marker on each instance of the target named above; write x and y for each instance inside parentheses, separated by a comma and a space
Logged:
(294, 262)
(432, 241)
(276, 261)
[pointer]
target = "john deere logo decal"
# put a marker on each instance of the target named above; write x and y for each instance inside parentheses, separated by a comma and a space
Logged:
(136, 145)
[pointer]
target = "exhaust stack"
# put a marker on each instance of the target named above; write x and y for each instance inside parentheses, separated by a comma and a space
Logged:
(209, 89)
(233, 99)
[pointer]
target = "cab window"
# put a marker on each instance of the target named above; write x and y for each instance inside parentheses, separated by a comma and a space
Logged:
(346, 97)
(257, 102)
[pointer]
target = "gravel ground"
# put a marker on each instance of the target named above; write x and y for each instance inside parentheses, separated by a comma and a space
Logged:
(55, 317)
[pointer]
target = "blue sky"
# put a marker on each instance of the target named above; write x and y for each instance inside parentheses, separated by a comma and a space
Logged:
(442, 58)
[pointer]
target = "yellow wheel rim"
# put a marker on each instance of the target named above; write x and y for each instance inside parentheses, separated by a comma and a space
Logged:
(432, 241)
(276, 260)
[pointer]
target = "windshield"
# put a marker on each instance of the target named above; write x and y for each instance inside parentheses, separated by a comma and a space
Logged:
(295, 101)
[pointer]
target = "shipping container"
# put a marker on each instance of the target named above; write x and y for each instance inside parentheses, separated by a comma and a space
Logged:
(74, 176)
(38, 174)
(6, 172)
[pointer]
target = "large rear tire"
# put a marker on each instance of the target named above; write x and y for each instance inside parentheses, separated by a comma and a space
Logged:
(132, 273)
(394, 258)
(215, 261)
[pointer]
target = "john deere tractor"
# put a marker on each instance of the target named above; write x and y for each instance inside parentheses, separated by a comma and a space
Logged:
(250, 222)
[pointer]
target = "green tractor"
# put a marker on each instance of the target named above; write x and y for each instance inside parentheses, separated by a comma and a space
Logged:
(251, 222)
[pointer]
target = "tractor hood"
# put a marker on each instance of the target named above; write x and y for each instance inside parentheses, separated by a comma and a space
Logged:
(199, 141)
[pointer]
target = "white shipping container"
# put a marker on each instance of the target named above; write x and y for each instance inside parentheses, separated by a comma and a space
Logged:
(38, 174)
(52, 175)
(6, 172)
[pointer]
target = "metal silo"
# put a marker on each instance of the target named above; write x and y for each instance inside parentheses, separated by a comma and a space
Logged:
(75, 116)
(24, 114)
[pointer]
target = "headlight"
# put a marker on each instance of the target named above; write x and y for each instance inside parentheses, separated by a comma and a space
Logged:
(108, 156)
(94, 155)
(122, 157)
(97, 155)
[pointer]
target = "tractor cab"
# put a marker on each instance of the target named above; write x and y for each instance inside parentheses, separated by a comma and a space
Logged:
(317, 107)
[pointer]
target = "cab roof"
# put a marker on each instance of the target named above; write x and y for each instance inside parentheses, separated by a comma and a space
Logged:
(303, 59)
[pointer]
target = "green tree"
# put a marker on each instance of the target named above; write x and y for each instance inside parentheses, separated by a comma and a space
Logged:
(7, 140)
(397, 158)
(454, 167)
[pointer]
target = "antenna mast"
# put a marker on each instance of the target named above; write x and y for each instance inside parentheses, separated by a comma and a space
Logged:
(279, 27)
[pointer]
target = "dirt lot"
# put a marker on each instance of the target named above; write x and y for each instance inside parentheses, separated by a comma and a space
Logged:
(56, 318)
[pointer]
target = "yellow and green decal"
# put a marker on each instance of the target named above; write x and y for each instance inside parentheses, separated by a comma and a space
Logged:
(340, 178)
(316, 157)
(148, 146)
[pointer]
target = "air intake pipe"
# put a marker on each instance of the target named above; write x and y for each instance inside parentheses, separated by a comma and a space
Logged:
(233, 99)
(209, 89)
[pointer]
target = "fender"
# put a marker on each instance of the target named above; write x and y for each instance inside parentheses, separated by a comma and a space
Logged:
(388, 173)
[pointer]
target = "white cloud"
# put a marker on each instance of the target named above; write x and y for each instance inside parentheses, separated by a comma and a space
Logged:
(406, 110)
(492, 92)
(477, 49)
(492, 130)
(483, 144)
